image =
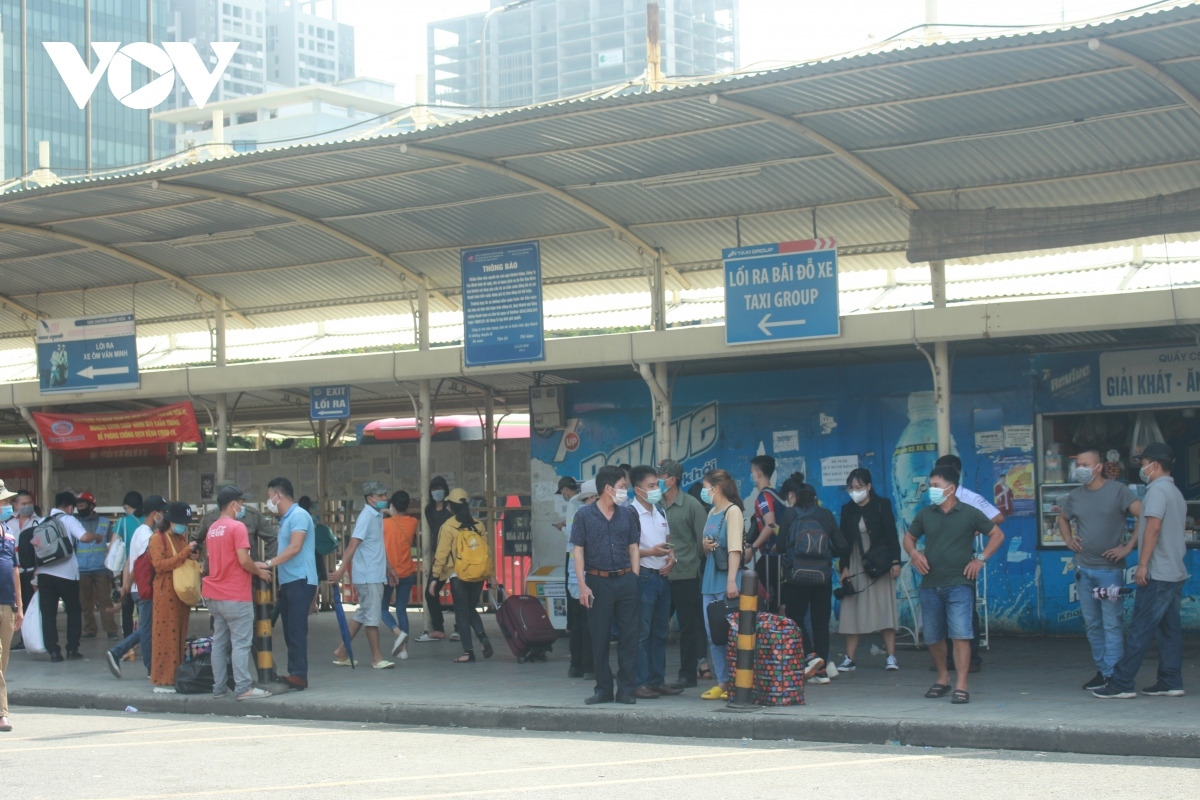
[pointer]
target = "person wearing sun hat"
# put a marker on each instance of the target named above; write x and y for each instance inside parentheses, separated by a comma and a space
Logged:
(462, 561)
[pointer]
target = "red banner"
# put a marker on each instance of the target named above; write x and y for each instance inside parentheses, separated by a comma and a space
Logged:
(175, 423)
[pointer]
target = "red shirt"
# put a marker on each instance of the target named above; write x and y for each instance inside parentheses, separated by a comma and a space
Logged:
(226, 579)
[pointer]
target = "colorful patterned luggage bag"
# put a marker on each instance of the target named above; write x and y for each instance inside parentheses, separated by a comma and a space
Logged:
(778, 660)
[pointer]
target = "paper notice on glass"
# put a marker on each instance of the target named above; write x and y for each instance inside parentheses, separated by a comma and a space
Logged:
(785, 441)
(835, 469)
(1018, 437)
(989, 441)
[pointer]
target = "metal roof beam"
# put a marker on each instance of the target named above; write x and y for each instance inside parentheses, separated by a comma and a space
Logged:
(799, 127)
(1146, 68)
(385, 261)
(178, 281)
(25, 313)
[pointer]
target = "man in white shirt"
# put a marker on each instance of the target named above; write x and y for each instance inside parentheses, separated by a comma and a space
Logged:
(153, 507)
(656, 563)
(976, 500)
(60, 581)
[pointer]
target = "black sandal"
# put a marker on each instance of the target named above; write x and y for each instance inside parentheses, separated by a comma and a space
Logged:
(960, 697)
(937, 690)
(487, 647)
(465, 658)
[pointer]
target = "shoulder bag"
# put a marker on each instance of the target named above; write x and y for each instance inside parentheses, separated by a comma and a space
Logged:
(185, 577)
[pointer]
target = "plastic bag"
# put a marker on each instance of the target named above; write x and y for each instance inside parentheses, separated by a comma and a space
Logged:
(1145, 431)
(31, 628)
(114, 562)
(196, 676)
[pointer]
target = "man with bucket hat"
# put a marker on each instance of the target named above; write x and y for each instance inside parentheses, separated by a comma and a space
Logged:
(366, 557)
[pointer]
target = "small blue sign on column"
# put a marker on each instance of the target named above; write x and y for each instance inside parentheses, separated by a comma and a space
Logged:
(87, 354)
(502, 304)
(329, 402)
(776, 292)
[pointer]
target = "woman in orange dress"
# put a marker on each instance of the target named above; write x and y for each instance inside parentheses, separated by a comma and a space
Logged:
(168, 549)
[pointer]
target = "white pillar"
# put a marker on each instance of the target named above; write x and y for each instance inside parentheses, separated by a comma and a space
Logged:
(941, 360)
(424, 426)
(218, 127)
(222, 410)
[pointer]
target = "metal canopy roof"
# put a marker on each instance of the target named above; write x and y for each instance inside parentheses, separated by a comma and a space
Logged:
(1027, 120)
(841, 148)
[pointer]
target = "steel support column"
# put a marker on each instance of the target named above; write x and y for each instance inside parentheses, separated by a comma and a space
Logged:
(941, 360)
(222, 410)
(424, 425)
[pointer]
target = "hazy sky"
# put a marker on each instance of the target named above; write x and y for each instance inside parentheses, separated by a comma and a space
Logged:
(391, 34)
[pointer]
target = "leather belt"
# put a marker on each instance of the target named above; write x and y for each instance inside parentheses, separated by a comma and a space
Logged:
(600, 573)
(650, 570)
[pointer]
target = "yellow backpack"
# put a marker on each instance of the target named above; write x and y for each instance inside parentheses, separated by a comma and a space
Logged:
(472, 557)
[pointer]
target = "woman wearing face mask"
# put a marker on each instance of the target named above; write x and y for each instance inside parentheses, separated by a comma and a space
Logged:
(872, 545)
(437, 512)
(168, 549)
(724, 529)
(464, 552)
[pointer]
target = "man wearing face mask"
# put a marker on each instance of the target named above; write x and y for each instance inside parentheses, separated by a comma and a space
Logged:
(296, 567)
(1160, 575)
(1098, 508)
(59, 580)
(263, 534)
(153, 508)
(366, 556)
(686, 519)
(22, 518)
(657, 561)
(948, 567)
(95, 581)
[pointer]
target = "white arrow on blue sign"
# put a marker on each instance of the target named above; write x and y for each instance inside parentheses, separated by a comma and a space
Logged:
(329, 402)
(778, 292)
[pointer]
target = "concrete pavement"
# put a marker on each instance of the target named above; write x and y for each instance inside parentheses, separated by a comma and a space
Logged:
(1028, 697)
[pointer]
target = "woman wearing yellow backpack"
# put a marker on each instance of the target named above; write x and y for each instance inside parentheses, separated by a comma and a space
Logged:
(465, 557)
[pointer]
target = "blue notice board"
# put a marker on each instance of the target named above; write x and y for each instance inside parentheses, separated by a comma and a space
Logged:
(776, 292)
(502, 304)
(329, 402)
(87, 354)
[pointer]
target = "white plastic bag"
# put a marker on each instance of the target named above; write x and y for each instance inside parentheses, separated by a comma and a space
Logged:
(31, 627)
(114, 562)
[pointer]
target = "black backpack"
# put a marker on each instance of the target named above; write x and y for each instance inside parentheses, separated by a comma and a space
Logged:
(809, 550)
(48, 542)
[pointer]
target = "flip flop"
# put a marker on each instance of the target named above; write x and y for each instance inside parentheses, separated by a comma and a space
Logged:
(937, 690)
(254, 694)
(960, 697)
(344, 662)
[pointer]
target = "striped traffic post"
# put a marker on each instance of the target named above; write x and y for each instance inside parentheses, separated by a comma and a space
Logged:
(264, 657)
(743, 693)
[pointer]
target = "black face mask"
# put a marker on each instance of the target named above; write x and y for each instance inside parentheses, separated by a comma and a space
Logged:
(83, 511)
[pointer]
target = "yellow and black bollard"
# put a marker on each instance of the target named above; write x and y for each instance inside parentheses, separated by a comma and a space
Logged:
(264, 657)
(743, 692)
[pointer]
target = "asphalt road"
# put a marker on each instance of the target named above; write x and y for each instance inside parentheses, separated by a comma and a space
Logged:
(88, 755)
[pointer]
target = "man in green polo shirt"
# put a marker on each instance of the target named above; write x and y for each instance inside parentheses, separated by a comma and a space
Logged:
(685, 526)
(949, 567)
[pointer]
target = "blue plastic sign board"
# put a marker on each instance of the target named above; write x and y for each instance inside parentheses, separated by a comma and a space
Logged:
(329, 402)
(502, 304)
(776, 292)
(87, 354)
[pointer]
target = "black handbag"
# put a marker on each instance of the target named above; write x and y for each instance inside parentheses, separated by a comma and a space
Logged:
(721, 554)
(877, 562)
(718, 622)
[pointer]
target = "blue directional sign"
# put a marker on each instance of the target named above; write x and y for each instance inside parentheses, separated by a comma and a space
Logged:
(502, 304)
(329, 402)
(776, 292)
(87, 354)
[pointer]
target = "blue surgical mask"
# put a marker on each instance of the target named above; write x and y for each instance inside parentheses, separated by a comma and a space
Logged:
(706, 495)
(654, 496)
(241, 512)
(937, 495)
(6, 513)
(438, 495)
(380, 505)
(180, 529)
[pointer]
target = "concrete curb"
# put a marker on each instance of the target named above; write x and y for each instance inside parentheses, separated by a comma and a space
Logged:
(765, 725)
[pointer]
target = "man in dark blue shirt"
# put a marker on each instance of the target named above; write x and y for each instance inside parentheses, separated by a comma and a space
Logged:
(605, 537)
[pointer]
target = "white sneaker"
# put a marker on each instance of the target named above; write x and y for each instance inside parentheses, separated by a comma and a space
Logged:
(847, 665)
(819, 679)
(400, 640)
(404, 654)
(891, 663)
(454, 637)
(831, 670)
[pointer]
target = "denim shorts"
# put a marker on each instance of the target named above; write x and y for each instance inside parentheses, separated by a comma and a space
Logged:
(946, 613)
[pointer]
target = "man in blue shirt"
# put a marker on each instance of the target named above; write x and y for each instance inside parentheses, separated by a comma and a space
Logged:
(366, 557)
(606, 537)
(296, 566)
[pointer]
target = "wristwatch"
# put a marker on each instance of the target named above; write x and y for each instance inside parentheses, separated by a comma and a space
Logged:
(268, 563)
(981, 558)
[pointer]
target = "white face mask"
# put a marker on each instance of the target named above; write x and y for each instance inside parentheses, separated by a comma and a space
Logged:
(858, 495)
(272, 506)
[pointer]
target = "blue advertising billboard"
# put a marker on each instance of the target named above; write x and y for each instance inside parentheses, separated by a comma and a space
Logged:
(781, 291)
(87, 354)
(502, 304)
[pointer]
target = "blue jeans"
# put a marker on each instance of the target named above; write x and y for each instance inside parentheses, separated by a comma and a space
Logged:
(946, 613)
(402, 591)
(652, 633)
(1155, 611)
(142, 635)
(294, 599)
(1103, 620)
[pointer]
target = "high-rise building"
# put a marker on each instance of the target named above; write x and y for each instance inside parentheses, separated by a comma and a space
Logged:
(549, 49)
(37, 105)
(202, 22)
(304, 47)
